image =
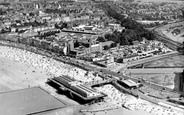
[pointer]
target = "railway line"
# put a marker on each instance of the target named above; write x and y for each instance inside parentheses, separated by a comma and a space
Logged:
(169, 42)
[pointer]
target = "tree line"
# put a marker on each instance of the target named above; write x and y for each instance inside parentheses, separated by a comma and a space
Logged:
(133, 30)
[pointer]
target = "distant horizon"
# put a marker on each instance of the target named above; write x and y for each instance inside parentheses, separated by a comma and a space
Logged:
(178, 1)
(161, 0)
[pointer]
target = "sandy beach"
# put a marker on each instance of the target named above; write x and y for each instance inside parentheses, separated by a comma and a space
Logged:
(22, 69)
(19, 75)
(16, 75)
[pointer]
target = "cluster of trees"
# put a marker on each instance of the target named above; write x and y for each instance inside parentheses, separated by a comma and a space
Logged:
(126, 37)
(61, 25)
(154, 24)
(133, 30)
(2, 12)
(119, 60)
(5, 30)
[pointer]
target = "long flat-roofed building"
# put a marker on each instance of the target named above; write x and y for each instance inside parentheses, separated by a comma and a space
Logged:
(77, 88)
(129, 83)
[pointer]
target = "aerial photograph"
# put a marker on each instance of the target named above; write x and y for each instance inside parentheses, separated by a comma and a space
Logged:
(91, 57)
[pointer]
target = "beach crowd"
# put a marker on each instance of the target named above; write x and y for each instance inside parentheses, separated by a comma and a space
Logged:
(118, 99)
(56, 68)
(52, 67)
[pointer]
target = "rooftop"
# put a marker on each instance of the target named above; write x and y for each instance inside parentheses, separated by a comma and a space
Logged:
(130, 83)
(28, 101)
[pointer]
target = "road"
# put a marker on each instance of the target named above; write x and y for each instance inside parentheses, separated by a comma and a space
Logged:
(149, 59)
(135, 63)
(155, 70)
